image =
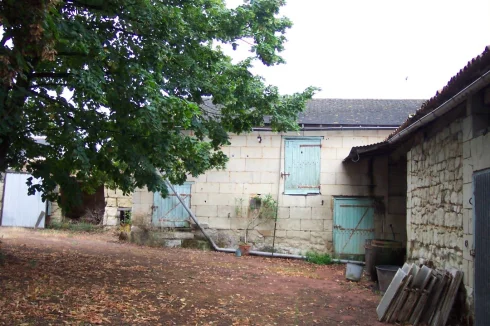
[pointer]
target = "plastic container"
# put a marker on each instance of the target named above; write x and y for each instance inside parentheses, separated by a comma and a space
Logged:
(353, 272)
(385, 275)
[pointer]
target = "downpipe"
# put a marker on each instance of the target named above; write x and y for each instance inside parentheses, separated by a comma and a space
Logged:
(232, 250)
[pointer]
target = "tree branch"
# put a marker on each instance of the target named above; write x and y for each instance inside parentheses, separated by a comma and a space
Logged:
(50, 75)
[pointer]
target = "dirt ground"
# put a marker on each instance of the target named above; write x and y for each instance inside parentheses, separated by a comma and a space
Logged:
(61, 278)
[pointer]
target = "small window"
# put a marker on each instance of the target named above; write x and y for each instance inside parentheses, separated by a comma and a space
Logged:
(302, 165)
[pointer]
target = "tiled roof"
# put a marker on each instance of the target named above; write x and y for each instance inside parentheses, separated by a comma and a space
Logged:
(348, 112)
(473, 70)
(365, 112)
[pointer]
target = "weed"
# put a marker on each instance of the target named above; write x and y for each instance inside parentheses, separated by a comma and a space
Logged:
(318, 258)
(75, 227)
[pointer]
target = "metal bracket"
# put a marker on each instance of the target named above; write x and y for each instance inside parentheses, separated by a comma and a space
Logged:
(284, 174)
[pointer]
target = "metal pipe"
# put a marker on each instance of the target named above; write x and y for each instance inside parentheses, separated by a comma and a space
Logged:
(232, 250)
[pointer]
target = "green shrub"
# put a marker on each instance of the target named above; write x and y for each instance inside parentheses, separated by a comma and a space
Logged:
(318, 258)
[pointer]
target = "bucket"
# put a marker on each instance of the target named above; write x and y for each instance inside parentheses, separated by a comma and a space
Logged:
(385, 275)
(383, 252)
(353, 272)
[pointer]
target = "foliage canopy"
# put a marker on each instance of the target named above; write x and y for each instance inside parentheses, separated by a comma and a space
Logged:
(140, 75)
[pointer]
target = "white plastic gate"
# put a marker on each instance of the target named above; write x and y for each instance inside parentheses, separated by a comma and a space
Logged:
(20, 209)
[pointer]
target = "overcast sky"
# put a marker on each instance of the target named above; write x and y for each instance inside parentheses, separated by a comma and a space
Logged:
(378, 48)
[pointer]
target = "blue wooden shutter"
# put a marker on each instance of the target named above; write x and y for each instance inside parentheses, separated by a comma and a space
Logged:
(302, 165)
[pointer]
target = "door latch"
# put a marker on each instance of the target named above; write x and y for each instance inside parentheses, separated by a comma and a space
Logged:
(284, 175)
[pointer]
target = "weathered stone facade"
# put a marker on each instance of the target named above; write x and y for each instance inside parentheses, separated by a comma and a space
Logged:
(435, 198)
(220, 199)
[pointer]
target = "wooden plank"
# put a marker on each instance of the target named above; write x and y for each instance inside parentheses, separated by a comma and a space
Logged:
(433, 297)
(393, 314)
(418, 284)
(450, 296)
(39, 219)
(417, 313)
(436, 317)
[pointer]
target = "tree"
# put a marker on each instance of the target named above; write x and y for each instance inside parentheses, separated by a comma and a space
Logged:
(138, 74)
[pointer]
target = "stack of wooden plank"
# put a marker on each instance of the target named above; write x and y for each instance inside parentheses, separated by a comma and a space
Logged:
(420, 296)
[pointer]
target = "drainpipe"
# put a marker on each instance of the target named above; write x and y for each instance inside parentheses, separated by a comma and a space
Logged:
(232, 250)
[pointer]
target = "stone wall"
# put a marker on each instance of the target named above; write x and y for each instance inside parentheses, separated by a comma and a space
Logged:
(114, 199)
(220, 199)
(440, 222)
(435, 198)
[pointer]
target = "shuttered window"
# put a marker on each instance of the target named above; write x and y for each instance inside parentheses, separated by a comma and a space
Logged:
(302, 165)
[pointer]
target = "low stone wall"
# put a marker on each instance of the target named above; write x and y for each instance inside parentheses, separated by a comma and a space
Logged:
(435, 199)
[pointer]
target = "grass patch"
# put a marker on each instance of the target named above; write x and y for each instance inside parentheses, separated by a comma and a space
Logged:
(75, 227)
(318, 258)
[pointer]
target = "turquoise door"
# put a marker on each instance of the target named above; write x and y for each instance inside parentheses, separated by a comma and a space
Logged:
(169, 212)
(353, 224)
(302, 165)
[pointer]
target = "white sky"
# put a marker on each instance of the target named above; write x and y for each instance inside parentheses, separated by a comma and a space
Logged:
(367, 49)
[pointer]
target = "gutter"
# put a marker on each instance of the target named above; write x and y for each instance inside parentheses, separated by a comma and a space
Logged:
(233, 250)
(360, 127)
(426, 119)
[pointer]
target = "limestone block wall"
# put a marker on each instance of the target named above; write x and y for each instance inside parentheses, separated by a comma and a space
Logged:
(114, 199)
(435, 198)
(142, 207)
(220, 199)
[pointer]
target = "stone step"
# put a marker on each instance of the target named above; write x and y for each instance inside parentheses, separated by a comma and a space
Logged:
(196, 244)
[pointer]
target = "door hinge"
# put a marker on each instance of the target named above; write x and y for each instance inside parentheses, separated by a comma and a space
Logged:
(472, 252)
(285, 174)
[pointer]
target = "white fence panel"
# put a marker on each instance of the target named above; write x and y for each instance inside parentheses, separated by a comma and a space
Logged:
(20, 209)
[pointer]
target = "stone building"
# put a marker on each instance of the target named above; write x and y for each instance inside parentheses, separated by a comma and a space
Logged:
(324, 204)
(446, 150)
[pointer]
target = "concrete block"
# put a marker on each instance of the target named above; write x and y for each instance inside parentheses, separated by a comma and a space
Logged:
(300, 212)
(235, 164)
(276, 141)
(328, 154)
(349, 142)
(283, 212)
(291, 200)
(253, 142)
(231, 188)
(332, 142)
(328, 225)
(219, 223)
(218, 176)
(251, 152)
(257, 188)
(124, 202)
(289, 224)
(238, 141)
(269, 177)
(321, 213)
(239, 223)
(318, 201)
(206, 187)
(327, 178)
(234, 152)
(467, 221)
(302, 235)
(221, 199)
(342, 153)
(332, 166)
(111, 202)
(244, 177)
(262, 165)
(226, 211)
(209, 211)
(312, 225)
(113, 193)
(199, 199)
(271, 152)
